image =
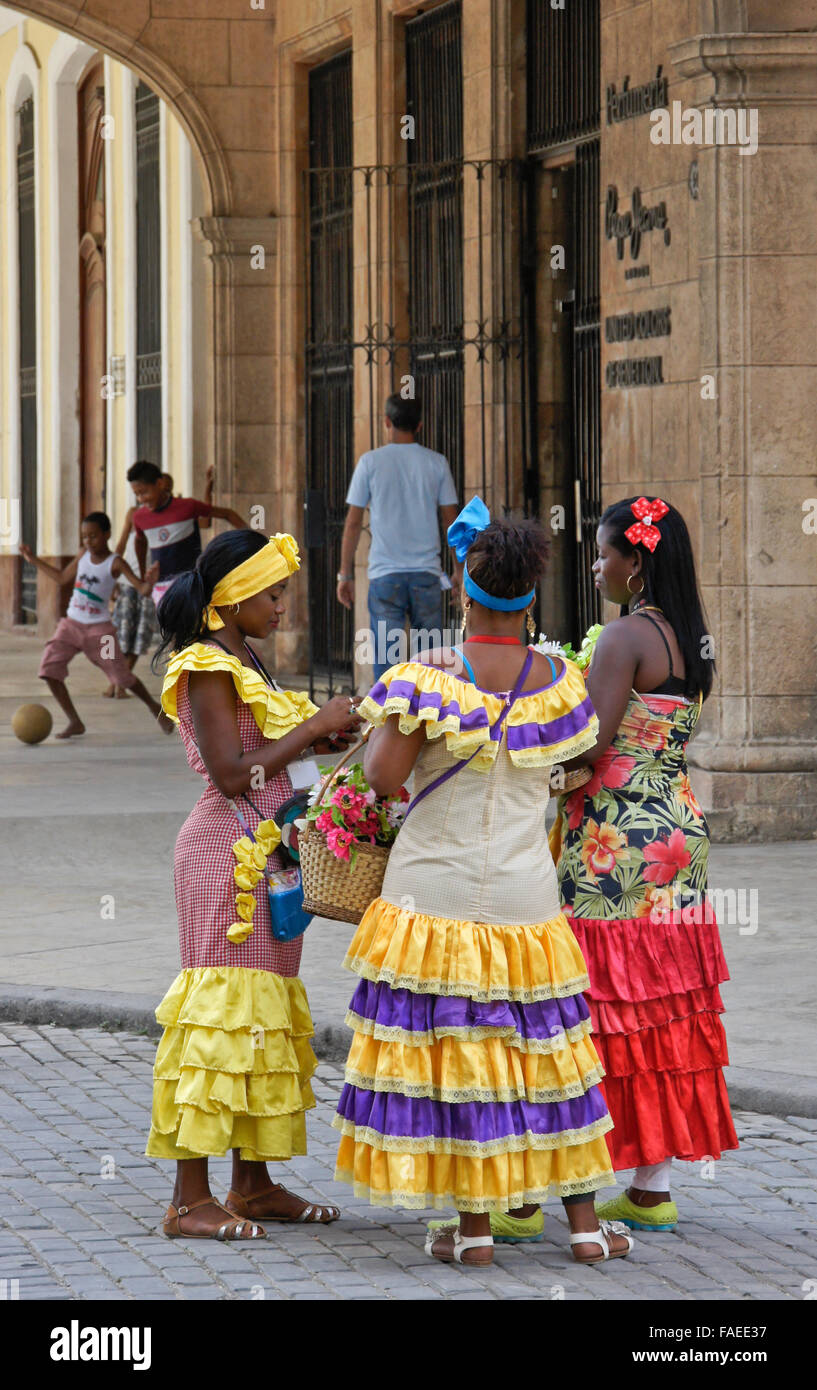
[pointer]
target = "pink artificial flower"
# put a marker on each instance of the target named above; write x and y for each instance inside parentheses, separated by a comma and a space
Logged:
(340, 841)
(349, 802)
(324, 821)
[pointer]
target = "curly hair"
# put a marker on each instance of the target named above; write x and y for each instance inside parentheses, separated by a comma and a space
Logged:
(509, 557)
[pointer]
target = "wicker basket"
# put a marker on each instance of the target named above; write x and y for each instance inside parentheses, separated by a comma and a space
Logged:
(331, 887)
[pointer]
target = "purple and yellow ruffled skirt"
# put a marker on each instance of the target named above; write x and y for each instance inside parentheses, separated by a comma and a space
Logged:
(472, 1080)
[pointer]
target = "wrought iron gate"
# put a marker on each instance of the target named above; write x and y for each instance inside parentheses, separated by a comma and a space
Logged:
(27, 323)
(564, 95)
(422, 316)
(434, 189)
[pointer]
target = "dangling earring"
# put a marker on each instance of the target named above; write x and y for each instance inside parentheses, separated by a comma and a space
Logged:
(465, 608)
(634, 592)
(530, 624)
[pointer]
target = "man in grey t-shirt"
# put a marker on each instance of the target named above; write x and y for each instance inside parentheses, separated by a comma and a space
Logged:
(407, 489)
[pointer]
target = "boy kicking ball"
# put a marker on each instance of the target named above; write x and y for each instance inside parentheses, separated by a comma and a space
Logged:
(87, 627)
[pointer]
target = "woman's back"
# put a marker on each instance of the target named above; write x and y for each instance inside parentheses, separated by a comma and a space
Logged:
(475, 848)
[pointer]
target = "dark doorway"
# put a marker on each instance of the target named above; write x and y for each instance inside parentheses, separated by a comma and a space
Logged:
(91, 110)
(329, 361)
(563, 80)
(148, 279)
(27, 327)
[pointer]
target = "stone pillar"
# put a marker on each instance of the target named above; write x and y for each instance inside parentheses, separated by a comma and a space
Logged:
(757, 248)
(245, 438)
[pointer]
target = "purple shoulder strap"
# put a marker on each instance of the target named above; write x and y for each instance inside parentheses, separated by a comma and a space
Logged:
(452, 771)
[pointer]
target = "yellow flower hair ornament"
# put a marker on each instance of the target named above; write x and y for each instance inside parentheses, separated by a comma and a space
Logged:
(252, 861)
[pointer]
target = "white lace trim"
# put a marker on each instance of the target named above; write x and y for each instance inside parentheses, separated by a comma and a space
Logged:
(464, 989)
(471, 1148)
(440, 1201)
(424, 1090)
(370, 1029)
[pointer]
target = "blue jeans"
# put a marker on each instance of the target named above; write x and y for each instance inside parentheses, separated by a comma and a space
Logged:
(412, 594)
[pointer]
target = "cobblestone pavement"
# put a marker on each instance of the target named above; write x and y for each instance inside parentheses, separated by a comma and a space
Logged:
(83, 1207)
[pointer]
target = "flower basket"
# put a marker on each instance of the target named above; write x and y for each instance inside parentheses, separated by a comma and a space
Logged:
(334, 887)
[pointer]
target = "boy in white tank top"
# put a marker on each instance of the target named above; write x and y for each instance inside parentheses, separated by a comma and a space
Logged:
(87, 626)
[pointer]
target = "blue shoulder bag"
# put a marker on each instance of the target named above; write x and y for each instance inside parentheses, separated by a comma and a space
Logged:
(284, 890)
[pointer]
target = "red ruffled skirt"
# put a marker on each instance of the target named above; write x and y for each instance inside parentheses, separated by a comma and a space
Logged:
(655, 1007)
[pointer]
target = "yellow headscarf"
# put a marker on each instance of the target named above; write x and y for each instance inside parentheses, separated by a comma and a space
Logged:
(277, 559)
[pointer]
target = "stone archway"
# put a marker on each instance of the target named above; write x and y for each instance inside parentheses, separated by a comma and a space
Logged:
(215, 74)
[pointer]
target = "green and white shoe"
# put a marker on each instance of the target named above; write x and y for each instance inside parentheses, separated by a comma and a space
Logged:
(505, 1229)
(664, 1217)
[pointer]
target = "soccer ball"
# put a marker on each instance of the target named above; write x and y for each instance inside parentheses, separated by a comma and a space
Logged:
(32, 723)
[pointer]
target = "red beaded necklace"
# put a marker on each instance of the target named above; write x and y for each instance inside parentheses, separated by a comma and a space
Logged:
(496, 641)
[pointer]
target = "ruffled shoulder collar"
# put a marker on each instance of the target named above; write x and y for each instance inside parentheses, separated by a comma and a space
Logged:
(275, 712)
(543, 726)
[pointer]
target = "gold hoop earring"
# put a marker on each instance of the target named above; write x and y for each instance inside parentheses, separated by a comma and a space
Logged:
(530, 624)
(634, 592)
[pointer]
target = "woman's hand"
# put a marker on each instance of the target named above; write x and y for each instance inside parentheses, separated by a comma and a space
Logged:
(338, 715)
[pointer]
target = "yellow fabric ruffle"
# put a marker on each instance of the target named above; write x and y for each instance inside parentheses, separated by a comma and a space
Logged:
(459, 1073)
(474, 960)
(275, 712)
(440, 718)
(233, 1066)
(473, 1184)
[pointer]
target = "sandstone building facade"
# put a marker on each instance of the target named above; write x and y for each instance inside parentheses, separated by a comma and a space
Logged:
(475, 197)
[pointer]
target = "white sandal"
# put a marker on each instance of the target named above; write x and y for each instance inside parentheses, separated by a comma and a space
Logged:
(461, 1243)
(599, 1237)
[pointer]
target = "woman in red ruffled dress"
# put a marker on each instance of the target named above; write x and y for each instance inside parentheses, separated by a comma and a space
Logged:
(632, 849)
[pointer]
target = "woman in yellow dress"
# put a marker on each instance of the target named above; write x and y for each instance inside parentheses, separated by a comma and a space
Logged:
(472, 1080)
(233, 1065)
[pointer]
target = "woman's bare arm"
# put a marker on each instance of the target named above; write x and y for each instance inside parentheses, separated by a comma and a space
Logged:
(390, 756)
(609, 685)
(213, 705)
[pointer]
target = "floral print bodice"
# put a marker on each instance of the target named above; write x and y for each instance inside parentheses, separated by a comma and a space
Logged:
(633, 839)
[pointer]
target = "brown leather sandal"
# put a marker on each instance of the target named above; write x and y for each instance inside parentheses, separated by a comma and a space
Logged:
(312, 1213)
(229, 1230)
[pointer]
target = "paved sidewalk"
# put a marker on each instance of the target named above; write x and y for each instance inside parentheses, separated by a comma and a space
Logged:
(88, 925)
(83, 1207)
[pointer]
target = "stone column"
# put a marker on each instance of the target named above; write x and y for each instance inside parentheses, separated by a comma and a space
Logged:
(245, 437)
(757, 249)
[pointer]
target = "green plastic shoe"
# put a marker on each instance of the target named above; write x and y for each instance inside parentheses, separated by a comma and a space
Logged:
(505, 1229)
(664, 1217)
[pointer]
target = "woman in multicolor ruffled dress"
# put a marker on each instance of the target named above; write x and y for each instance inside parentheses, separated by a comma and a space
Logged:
(632, 848)
(233, 1066)
(472, 1080)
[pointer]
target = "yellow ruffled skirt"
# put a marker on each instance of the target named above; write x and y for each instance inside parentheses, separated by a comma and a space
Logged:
(233, 1066)
(472, 1080)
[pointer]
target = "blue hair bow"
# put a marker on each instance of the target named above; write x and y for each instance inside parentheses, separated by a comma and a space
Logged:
(464, 530)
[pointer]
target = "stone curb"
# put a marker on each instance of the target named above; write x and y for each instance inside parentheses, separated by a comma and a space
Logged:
(765, 1092)
(102, 1008)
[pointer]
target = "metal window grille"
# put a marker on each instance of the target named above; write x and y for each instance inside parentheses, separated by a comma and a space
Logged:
(564, 71)
(329, 358)
(26, 241)
(148, 279)
(564, 106)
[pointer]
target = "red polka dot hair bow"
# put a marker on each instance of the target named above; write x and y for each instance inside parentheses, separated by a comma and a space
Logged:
(643, 529)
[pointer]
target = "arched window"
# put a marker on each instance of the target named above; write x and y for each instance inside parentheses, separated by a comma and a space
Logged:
(27, 254)
(148, 279)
